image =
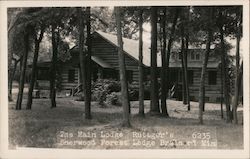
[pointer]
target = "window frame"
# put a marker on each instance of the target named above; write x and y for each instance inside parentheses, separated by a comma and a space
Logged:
(43, 73)
(211, 75)
(197, 56)
(192, 56)
(71, 77)
(190, 82)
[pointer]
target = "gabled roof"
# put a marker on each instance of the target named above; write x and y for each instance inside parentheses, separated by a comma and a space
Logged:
(130, 47)
(100, 62)
(195, 64)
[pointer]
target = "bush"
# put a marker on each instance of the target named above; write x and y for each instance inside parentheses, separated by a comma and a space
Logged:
(109, 91)
(133, 89)
(114, 98)
(103, 87)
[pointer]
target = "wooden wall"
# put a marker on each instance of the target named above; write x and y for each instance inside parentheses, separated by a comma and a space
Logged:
(213, 92)
(108, 53)
(64, 76)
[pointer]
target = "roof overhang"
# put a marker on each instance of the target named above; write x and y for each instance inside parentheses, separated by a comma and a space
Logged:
(196, 64)
(100, 62)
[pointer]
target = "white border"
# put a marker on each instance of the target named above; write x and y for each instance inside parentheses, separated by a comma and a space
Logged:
(70, 153)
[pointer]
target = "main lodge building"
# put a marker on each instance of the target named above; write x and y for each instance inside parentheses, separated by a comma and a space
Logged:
(105, 66)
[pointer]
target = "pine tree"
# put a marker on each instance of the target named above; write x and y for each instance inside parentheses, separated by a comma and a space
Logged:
(122, 72)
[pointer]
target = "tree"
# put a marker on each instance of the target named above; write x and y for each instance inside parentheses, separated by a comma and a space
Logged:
(221, 95)
(224, 67)
(141, 85)
(184, 97)
(163, 69)
(238, 74)
(17, 22)
(88, 71)
(170, 41)
(185, 52)
(204, 65)
(34, 69)
(12, 16)
(121, 58)
(11, 76)
(55, 36)
(154, 104)
(82, 54)
(23, 68)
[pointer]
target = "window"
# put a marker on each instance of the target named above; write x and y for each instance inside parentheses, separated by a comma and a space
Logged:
(43, 74)
(190, 76)
(71, 75)
(111, 74)
(180, 56)
(212, 77)
(192, 56)
(197, 56)
(129, 75)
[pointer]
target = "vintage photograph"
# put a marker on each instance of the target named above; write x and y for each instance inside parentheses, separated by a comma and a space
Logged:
(126, 77)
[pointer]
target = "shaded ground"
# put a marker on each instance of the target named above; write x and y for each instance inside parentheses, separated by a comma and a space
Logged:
(65, 127)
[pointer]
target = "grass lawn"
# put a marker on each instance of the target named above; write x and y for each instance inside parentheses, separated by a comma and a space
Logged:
(65, 127)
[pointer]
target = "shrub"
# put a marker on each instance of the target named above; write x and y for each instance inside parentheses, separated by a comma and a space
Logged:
(103, 87)
(133, 89)
(109, 91)
(114, 98)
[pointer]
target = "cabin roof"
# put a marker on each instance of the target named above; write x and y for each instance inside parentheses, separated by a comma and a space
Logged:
(196, 64)
(100, 62)
(131, 47)
(96, 59)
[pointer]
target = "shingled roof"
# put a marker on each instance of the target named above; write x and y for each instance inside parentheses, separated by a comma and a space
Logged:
(131, 47)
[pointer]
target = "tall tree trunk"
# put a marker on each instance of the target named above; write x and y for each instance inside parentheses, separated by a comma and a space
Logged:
(204, 67)
(11, 78)
(238, 85)
(221, 92)
(88, 71)
(170, 41)
(123, 79)
(186, 71)
(236, 92)
(154, 105)
(163, 69)
(53, 68)
(10, 58)
(184, 99)
(185, 59)
(141, 83)
(82, 54)
(23, 70)
(34, 69)
(225, 70)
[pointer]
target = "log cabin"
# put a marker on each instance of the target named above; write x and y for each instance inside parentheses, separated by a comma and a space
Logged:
(104, 65)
